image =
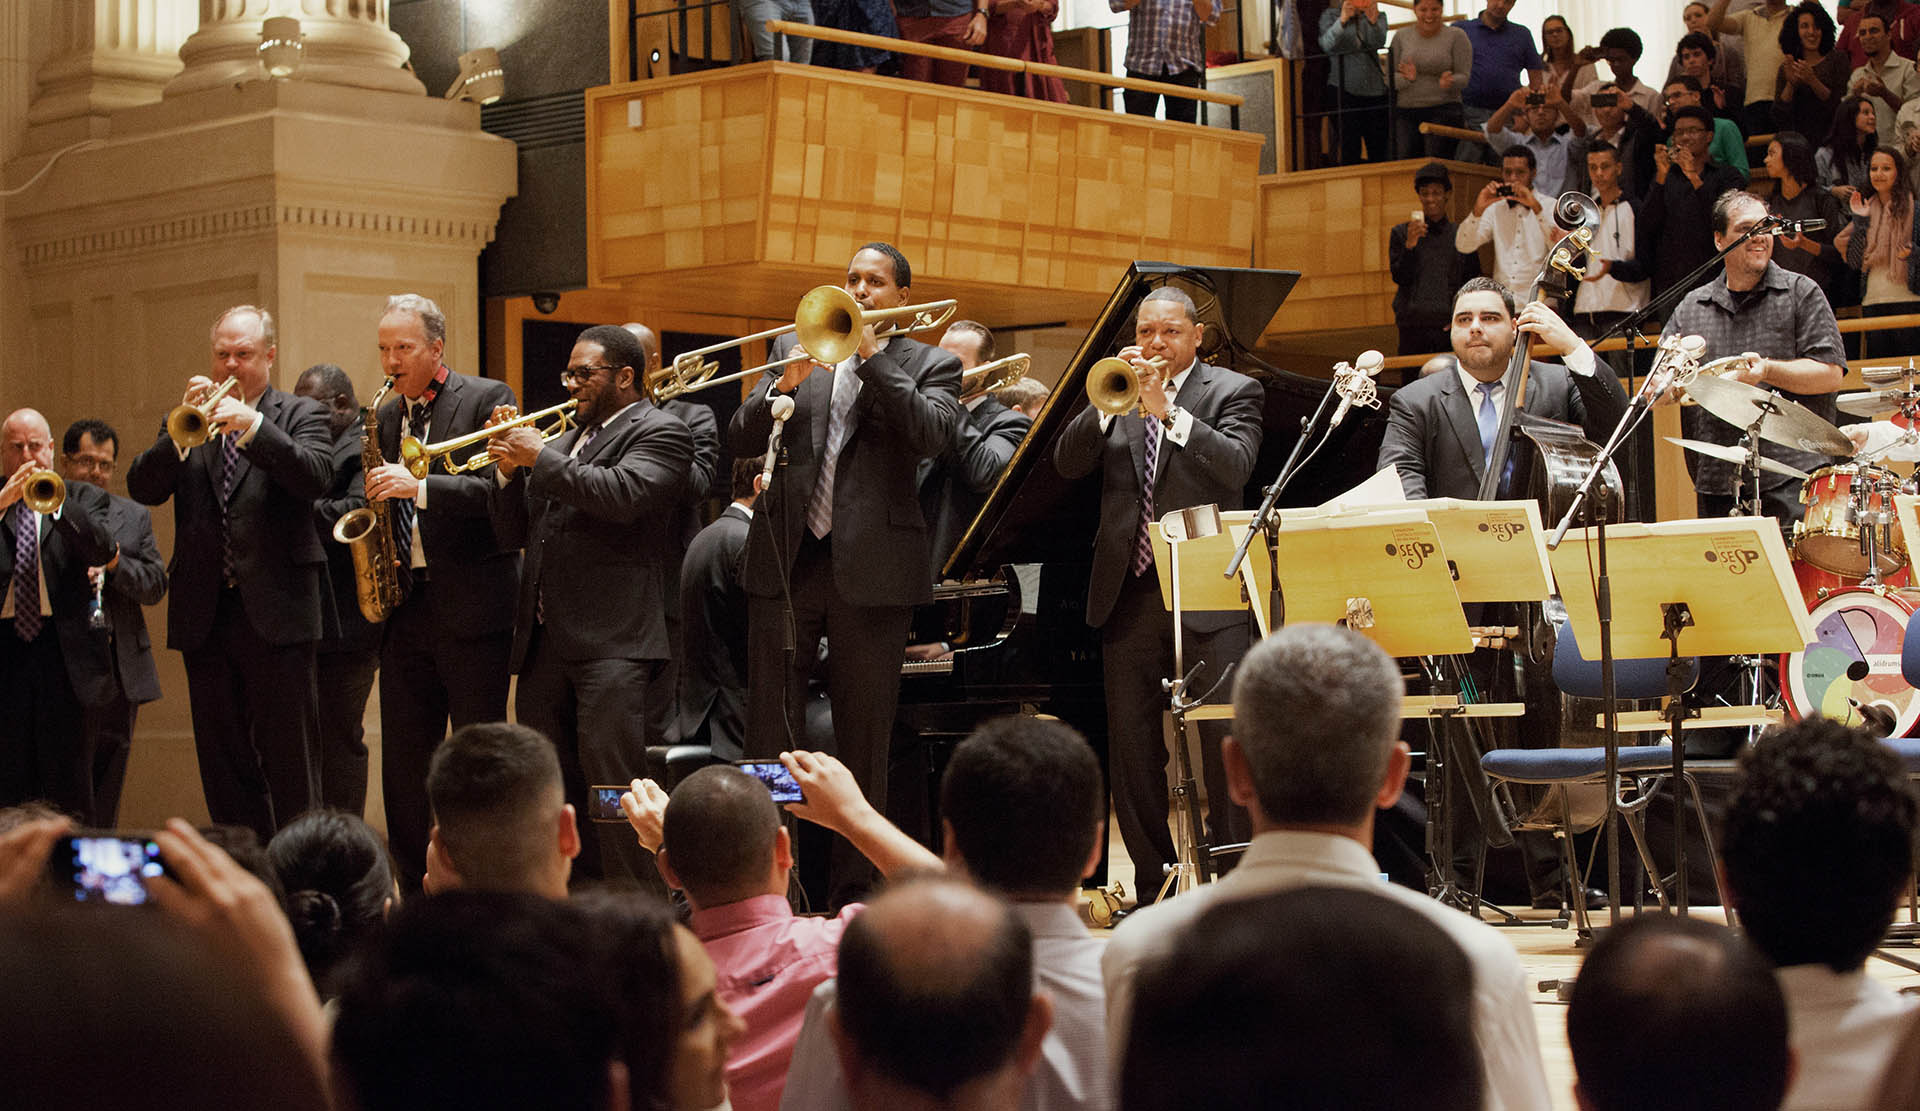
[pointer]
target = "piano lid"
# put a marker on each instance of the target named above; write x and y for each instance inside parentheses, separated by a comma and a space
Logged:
(1033, 515)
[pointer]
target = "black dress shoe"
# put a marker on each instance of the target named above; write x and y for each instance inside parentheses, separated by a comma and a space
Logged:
(1557, 900)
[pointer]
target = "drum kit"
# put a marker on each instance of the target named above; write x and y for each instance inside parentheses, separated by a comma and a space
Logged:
(1849, 550)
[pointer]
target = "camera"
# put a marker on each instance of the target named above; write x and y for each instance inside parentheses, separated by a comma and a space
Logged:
(105, 867)
(603, 804)
(546, 302)
(775, 775)
(1605, 100)
(1503, 190)
(1535, 100)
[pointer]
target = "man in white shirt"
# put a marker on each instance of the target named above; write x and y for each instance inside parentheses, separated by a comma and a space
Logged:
(1887, 79)
(1515, 219)
(1314, 751)
(1817, 846)
(1615, 280)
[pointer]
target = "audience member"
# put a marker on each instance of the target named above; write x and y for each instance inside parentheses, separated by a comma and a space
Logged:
(501, 821)
(1431, 64)
(1563, 67)
(1759, 31)
(1315, 751)
(1840, 163)
(1813, 75)
(1502, 54)
(339, 884)
(1729, 146)
(872, 17)
(1426, 266)
(954, 24)
(1352, 35)
(1676, 1014)
(1900, 1087)
(1817, 846)
(1309, 998)
(1540, 114)
(1515, 219)
(1790, 159)
(937, 1006)
(1879, 246)
(1620, 123)
(1698, 56)
(1679, 206)
(1620, 48)
(1439, 363)
(1166, 41)
(1885, 78)
(1023, 29)
(1902, 21)
(1615, 282)
(1729, 56)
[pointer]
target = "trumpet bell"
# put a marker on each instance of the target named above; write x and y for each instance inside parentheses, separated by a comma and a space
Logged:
(1113, 387)
(189, 426)
(45, 492)
(828, 324)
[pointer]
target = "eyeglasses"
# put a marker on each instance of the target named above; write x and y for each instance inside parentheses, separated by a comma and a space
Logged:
(91, 462)
(1680, 132)
(580, 376)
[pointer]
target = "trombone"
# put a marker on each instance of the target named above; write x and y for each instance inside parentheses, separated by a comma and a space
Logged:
(828, 322)
(45, 491)
(418, 457)
(189, 424)
(1113, 385)
(996, 375)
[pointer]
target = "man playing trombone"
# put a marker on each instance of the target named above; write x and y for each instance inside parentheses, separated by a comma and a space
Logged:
(590, 634)
(444, 658)
(839, 547)
(248, 578)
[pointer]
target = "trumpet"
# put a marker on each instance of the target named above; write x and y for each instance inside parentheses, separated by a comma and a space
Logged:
(1113, 385)
(996, 375)
(418, 457)
(45, 491)
(828, 322)
(189, 424)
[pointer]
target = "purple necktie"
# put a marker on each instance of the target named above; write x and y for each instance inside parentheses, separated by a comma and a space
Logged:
(1143, 543)
(26, 571)
(229, 463)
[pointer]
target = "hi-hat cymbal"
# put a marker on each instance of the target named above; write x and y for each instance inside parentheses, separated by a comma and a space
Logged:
(1737, 456)
(1874, 404)
(1784, 422)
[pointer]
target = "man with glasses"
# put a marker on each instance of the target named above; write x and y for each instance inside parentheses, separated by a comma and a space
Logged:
(134, 578)
(590, 632)
(444, 660)
(1678, 208)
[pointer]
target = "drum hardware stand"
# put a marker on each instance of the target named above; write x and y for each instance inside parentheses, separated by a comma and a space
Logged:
(1446, 730)
(1751, 668)
(1193, 859)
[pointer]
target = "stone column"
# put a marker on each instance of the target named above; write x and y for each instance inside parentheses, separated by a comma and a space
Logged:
(348, 43)
(101, 55)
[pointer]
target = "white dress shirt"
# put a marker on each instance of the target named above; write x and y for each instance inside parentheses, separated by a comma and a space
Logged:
(1614, 243)
(1843, 1027)
(1280, 860)
(1519, 239)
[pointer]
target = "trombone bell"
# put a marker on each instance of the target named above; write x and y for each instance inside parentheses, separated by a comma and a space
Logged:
(996, 375)
(45, 492)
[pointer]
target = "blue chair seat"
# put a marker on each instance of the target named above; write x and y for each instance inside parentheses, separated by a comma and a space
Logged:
(1579, 676)
(1908, 750)
(1568, 765)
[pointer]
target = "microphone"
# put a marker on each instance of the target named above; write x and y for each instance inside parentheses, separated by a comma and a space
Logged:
(782, 409)
(1787, 227)
(1354, 383)
(1674, 360)
(1876, 719)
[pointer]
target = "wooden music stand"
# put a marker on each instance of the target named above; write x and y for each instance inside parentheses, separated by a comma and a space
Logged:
(1725, 585)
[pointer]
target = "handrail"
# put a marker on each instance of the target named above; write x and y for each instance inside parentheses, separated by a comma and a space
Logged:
(1850, 324)
(1448, 131)
(994, 61)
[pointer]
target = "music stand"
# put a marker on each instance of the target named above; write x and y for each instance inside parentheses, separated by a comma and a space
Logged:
(1725, 585)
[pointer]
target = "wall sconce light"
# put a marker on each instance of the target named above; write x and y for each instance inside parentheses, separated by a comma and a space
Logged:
(481, 79)
(281, 47)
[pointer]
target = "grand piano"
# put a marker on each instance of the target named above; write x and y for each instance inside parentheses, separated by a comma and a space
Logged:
(1050, 663)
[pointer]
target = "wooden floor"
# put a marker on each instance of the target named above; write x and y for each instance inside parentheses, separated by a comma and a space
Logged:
(1550, 953)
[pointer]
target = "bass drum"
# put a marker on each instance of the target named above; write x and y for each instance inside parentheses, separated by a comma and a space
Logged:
(1816, 586)
(1855, 655)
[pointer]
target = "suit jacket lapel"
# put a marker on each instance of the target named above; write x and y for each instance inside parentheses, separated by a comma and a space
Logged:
(609, 430)
(269, 407)
(446, 406)
(819, 409)
(1466, 426)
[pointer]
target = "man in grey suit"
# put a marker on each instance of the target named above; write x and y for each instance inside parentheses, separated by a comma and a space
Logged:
(839, 546)
(1192, 441)
(248, 577)
(590, 635)
(132, 580)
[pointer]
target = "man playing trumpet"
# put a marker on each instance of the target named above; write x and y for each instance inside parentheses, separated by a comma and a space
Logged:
(248, 576)
(1192, 441)
(443, 662)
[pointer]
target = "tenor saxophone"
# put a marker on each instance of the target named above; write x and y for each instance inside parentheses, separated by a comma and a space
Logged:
(368, 531)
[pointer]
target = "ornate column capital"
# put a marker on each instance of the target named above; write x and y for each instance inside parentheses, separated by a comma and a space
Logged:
(348, 42)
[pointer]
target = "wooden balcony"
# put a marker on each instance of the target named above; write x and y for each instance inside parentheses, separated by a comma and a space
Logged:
(736, 190)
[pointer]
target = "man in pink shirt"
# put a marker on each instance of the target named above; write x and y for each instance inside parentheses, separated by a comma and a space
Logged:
(719, 840)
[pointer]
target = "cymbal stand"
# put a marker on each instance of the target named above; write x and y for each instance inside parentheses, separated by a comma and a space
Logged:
(1748, 504)
(1192, 861)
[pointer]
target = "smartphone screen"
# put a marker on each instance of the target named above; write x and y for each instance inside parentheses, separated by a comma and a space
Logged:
(603, 804)
(106, 868)
(775, 775)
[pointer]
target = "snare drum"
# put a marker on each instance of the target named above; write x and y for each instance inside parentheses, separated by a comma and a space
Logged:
(1855, 654)
(1829, 536)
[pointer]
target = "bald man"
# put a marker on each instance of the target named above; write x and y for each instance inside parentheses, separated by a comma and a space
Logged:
(51, 663)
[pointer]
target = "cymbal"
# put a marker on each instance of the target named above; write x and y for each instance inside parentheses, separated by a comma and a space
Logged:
(1874, 404)
(1784, 422)
(1737, 456)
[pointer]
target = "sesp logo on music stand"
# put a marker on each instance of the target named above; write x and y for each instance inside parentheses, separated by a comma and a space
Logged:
(1413, 553)
(1504, 529)
(1727, 550)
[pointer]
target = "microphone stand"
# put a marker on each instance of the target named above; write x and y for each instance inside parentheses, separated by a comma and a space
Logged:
(1266, 519)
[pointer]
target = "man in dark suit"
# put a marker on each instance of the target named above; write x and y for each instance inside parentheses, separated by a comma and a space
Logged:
(713, 624)
(248, 578)
(954, 484)
(1197, 433)
(445, 656)
(590, 636)
(345, 662)
(663, 726)
(132, 580)
(51, 664)
(1440, 429)
(839, 546)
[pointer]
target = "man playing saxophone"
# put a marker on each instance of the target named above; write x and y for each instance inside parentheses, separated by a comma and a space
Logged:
(445, 652)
